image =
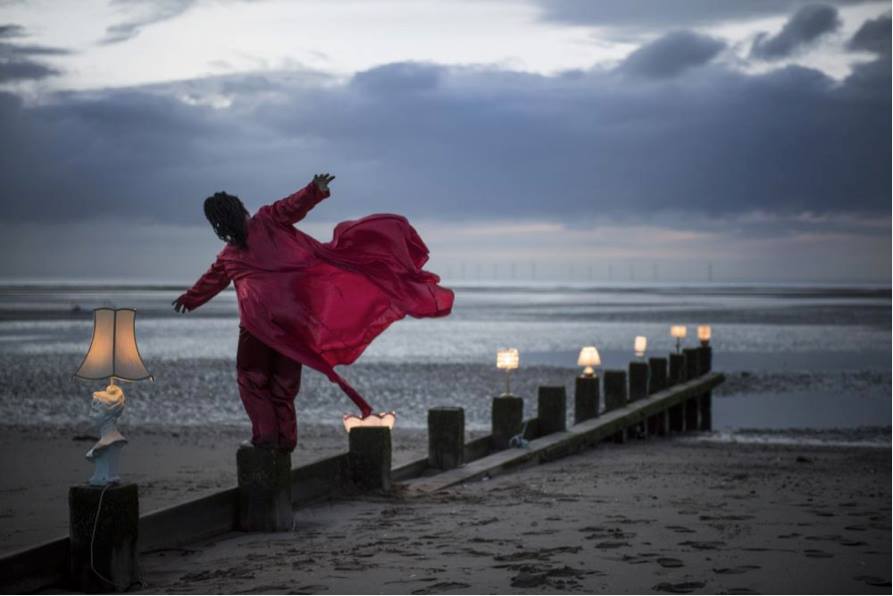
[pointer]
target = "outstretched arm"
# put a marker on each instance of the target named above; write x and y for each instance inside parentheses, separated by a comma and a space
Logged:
(208, 285)
(295, 207)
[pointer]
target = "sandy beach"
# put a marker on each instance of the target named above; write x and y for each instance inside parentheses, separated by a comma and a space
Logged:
(170, 466)
(677, 516)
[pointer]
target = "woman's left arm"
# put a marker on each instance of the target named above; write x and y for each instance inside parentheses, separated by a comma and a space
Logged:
(295, 207)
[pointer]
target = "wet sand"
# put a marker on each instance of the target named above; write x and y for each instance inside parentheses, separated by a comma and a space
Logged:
(674, 516)
(171, 466)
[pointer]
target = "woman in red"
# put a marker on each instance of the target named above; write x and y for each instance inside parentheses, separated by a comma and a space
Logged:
(305, 302)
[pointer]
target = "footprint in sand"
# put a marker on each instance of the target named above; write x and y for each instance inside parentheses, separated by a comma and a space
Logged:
(680, 588)
(873, 580)
(817, 554)
(670, 562)
(703, 544)
(611, 544)
(441, 587)
(735, 570)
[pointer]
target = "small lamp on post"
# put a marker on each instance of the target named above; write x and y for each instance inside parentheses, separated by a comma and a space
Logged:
(590, 359)
(507, 359)
(679, 332)
(113, 355)
(704, 333)
(639, 346)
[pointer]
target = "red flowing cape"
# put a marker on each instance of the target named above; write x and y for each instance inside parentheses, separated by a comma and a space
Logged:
(322, 303)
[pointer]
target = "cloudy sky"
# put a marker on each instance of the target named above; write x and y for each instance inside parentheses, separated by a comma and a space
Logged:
(627, 140)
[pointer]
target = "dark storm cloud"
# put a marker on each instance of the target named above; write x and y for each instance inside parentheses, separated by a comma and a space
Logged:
(152, 12)
(650, 14)
(873, 36)
(803, 28)
(671, 54)
(16, 63)
(460, 143)
(7, 31)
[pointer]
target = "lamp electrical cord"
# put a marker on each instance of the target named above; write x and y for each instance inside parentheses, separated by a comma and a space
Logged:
(93, 539)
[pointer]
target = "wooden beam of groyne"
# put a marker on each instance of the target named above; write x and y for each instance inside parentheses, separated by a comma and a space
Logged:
(580, 436)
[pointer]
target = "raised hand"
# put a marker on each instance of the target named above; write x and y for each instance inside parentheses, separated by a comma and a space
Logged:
(179, 306)
(322, 181)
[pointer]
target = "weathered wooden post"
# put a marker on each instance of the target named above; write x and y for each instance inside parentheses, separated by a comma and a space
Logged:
(551, 409)
(693, 370)
(446, 437)
(638, 380)
(677, 369)
(369, 455)
(657, 374)
(506, 418)
(616, 396)
(677, 375)
(658, 424)
(103, 527)
(586, 398)
(264, 478)
(705, 401)
(638, 389)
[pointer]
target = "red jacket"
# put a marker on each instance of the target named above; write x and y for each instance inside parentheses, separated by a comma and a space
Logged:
(322, 303)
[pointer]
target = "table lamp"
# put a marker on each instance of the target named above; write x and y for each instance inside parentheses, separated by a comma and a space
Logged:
(507, 359)
(113, 355)
(590, 359)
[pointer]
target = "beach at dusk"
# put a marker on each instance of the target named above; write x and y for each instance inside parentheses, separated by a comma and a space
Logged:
(434, 297)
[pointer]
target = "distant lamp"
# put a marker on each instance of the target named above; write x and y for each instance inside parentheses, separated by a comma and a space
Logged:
(640, 345)
(507, 359)
(590, 359)
(704, 333)
(113, 355)
(679, 332)
(383, 419)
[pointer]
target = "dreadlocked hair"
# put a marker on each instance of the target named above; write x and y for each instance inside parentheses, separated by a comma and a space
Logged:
(226, 215)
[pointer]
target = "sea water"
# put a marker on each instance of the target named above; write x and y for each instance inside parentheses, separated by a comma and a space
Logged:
(797, 357)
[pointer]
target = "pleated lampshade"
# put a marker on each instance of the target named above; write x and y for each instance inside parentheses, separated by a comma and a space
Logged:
(113, 351)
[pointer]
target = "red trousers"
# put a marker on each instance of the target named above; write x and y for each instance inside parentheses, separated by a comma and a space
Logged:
(268, 385)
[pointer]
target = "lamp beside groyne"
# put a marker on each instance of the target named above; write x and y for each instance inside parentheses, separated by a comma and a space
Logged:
(104, 514)
(704, 334)
(507, 359)
(590, 359)
(639, 346)
(586, 386)
(678, 332)
(114, 356)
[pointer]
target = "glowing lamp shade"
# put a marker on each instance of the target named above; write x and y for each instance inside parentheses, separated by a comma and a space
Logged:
(384, 419)
(590, 359)
(113, 352)
(507, 359)
(679, 332)
(640, 345)
(704, 333)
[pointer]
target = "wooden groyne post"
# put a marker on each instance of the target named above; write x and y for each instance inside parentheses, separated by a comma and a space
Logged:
(446, 437)
(616, 396)
(586, 397)
(264, 477)
(551, 409)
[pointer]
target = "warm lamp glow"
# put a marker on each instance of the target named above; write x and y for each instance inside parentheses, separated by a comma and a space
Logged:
(384, 419)
(640, 345)
(679, 332)
(113, 353)
(507, 359)
(590, 358)
(704, 333)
